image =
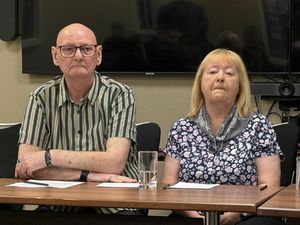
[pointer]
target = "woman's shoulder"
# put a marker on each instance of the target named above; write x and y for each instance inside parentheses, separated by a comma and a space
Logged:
(257, 117)
(185, 121)
(259, 120)
(183, 126)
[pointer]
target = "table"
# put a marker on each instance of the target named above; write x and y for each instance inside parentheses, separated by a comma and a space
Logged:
(286, 203)
(222, 198)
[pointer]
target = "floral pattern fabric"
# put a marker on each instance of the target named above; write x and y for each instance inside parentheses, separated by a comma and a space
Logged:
(234, 164)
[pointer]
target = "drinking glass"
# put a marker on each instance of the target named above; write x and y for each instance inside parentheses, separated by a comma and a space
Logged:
(147, 163)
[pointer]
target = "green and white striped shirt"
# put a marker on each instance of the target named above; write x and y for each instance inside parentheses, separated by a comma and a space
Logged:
(53, 121)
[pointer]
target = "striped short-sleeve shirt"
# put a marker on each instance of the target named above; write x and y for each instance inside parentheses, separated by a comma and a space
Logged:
(53, 121)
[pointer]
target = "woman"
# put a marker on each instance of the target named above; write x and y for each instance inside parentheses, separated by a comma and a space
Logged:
(221, 140)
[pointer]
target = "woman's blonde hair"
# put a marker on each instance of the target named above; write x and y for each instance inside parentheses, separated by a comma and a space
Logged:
(243, 99)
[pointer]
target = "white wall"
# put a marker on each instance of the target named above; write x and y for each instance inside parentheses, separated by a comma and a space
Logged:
(162, 99)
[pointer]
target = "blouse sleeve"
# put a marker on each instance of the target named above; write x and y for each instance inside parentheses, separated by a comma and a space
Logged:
(173, 147)
(266, 139)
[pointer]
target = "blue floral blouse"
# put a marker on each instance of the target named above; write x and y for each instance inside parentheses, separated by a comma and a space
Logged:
(234, 164)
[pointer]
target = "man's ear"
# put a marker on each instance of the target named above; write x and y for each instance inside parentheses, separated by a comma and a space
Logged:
(99, 54)
(54, 55)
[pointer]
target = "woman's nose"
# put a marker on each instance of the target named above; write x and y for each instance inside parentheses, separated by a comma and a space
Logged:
(220, 76)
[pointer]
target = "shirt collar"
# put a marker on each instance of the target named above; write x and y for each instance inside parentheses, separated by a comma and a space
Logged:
(95, 89)
(91, 96)
(63, 96)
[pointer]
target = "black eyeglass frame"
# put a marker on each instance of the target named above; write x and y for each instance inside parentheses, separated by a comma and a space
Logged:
(77, 47)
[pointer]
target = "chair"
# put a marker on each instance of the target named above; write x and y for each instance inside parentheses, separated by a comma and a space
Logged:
(287, 138)
(148, 136)
(9, 136)
(147, 139)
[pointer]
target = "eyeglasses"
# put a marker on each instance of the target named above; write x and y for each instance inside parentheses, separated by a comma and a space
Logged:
(69, 51)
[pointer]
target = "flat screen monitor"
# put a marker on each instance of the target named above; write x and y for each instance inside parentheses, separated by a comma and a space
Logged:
(162, 36)
(295, 39)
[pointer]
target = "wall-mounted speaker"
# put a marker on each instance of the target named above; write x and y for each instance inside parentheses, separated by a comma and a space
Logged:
(8, 19)
(280, 89)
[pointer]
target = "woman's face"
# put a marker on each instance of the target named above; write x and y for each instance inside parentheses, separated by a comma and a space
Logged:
(220, 82)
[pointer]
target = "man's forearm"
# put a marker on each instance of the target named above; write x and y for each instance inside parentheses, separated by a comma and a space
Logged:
(101, 162)
(55, 173)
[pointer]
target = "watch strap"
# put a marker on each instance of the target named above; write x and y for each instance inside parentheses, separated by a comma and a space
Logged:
(83, 175)
(48, 158)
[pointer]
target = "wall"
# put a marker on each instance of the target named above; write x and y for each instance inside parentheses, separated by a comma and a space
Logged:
(162, 99)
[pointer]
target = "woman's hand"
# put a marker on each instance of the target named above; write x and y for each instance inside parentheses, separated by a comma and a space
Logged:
(102, 177)
(230, 218)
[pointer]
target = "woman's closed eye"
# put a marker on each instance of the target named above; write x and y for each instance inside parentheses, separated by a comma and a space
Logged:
(229, 71)
(212, 70)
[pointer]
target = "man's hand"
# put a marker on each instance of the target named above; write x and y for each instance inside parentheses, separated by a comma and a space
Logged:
(230, 218)
(30, 162)
(100, 177)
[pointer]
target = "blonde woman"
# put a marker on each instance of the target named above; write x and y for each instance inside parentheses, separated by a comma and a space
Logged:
(221, 140)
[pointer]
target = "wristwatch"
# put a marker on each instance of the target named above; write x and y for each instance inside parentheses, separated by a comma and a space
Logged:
(245, 216)
(48, 158)
(83, 175)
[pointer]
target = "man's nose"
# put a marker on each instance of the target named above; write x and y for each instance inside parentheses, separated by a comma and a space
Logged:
(78, 52)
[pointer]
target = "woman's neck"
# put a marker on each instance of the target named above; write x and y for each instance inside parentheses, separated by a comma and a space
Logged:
(217, 115)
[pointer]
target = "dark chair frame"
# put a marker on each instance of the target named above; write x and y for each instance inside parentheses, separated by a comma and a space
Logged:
(147, 139)
(148, 136)
(9, 137)
(287, 137)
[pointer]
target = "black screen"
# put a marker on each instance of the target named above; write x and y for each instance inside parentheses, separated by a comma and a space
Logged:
(162, 36)
(295, 46)
(8, 20)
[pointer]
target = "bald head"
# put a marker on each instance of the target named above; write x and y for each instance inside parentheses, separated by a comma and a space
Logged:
(75, 31)
(79, 64)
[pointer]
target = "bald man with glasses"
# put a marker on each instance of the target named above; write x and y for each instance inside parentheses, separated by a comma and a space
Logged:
(81, 125)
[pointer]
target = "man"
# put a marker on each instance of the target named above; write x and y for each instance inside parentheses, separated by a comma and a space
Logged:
(79, 126)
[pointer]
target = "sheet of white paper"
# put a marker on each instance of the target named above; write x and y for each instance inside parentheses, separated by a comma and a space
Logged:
(121, 185)
(193, 185)
(51, 183)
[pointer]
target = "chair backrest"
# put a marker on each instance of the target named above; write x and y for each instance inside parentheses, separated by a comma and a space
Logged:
(148, 136)
(9, 136)
(287, 138)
